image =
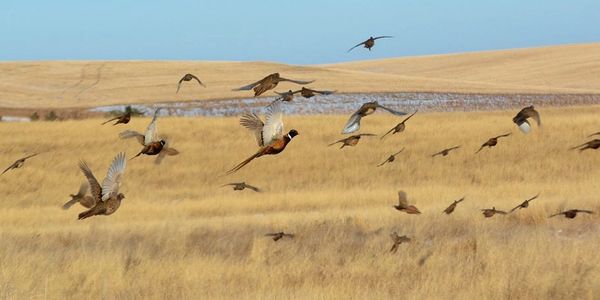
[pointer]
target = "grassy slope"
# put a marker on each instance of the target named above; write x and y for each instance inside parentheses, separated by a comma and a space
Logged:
(560, 69)
(178, 234)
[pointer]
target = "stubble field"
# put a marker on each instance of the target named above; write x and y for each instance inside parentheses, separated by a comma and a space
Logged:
(178, 234)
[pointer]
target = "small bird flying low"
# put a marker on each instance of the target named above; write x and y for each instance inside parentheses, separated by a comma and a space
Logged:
(399, 127)
(121, 119)
(397, 241)
(240, 186)
(450, 209)
(304, 92)
(572, 213)
(269, 82)
(404, 206)
(18, 163)
(366, 109)
(188, 77)
(276, 236)
(351, 140)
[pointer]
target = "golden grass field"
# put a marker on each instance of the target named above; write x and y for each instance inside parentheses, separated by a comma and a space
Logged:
(179, 235)
(71, 84)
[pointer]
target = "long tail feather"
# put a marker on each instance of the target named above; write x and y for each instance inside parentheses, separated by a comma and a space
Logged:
(242, 164)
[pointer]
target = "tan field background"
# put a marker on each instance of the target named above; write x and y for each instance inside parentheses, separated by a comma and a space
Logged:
(69, 84)
(179, 235)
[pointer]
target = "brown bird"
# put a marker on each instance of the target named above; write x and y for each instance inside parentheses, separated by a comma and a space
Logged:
(366, 109)
(268, 83)
(188, 77)
(351, 140)
(450, 209)
(240, 186)
(19, 163)
(445, 151)
(391, 158)
(153, 144)
(593, 144)
(107, 196)
(86, 200)
(397, 241)
(525, 203)
(399, 127)
(269, 135)
(370, 42)
(276, 236)
(492, 142)
(490, 212)
(121, 119)
(403, 204)
(304, 92)
(572, 213)
(521, 118)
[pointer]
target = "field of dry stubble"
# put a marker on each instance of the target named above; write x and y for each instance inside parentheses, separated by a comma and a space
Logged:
(179, 234)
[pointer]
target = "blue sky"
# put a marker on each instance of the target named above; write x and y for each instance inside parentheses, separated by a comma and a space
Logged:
(297, 32)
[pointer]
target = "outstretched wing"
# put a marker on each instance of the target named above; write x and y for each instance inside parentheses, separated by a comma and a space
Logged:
(532, 113)
(197, 79)
(130, 134)
(248, 87)
(166, 150)
(273, 128)
(395, 112)
(525, 127)
(356, 46)
(383, 37)
(296, 81)
(402, 199)
(112, 181)
(353, 123)
(151, 134)
(179, 84)
(253, 123)
(83, 188)
(95, 187)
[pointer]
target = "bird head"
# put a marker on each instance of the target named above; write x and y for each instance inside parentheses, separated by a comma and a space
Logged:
(292, 133)
(162, 142)
(120, 196)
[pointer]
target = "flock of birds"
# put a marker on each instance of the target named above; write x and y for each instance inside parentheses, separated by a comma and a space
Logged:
(105, 198)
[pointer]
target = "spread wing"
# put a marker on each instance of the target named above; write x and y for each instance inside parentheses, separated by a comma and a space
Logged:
(83, 188)
(402, 199)
(532, 113)
(112, 182)
(525, 127)
(197, 79)
(324, 92)
(151, 134)
(94, 185)
(130, 134)
(273, 128)
(383, 37)
(253, 123)
(167, 150)
(179, 84)
(356, 46)
(395, 112)
(249, 87)
(353, 123)
(297, 81)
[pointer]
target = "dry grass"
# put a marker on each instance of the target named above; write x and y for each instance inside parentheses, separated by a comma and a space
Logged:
(56, 84)
(179, 235)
